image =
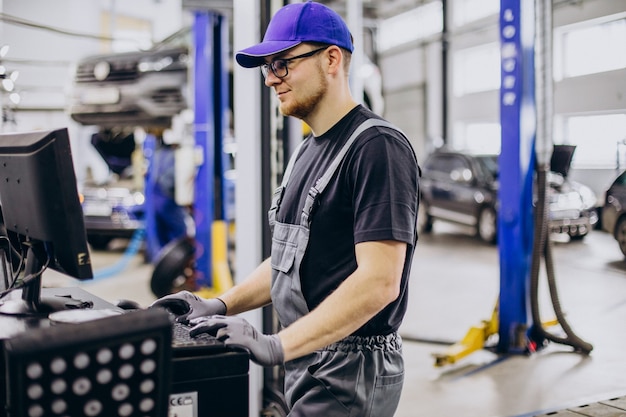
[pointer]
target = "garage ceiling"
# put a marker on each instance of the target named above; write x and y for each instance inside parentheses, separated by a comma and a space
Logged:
(375, 9)
(372, 9)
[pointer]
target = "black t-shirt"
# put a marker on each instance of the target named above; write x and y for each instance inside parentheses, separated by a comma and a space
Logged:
(373, 196)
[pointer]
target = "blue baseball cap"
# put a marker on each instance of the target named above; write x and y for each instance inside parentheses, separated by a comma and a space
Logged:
(296, 23)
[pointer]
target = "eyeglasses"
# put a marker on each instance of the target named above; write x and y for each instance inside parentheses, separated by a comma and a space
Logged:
(280, 67)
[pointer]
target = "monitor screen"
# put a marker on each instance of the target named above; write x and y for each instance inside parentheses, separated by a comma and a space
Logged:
(41, 210)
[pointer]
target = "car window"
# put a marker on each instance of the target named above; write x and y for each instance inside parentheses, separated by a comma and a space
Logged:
(489, 166)
(458, 164)
(442, 163)
(443, 167)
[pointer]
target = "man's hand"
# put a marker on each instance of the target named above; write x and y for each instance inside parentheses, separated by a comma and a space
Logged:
(187, 306)
(266, 350)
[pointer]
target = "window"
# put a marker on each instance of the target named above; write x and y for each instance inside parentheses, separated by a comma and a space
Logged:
(591, 48)
(597, 139)
(476, 69)
(467, 11)
(415, 24)
(478, 137)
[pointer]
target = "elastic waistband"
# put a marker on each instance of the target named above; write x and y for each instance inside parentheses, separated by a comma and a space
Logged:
(390, 342)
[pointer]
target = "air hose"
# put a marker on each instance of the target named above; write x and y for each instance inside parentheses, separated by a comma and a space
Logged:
(132, 249)
(542, 248)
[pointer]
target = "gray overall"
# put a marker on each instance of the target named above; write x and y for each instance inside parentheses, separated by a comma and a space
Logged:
(357, 376)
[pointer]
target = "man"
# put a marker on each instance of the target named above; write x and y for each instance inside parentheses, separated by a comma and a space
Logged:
(343, 228)
(171, 219)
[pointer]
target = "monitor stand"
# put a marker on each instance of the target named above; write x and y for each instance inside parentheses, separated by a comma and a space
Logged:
(31, 302)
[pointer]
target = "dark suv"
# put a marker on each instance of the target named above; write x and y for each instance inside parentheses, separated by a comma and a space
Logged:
(614, 211)
(462, 187)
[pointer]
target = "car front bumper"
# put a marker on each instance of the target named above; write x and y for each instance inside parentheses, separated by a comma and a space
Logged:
(574, 226)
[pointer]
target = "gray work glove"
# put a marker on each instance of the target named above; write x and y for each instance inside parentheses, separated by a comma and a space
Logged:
(187, 306)
(266, 350)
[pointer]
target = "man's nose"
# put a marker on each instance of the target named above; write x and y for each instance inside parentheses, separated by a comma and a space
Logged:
(271, 79)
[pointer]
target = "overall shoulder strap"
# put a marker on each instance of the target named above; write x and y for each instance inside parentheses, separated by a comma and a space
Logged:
(277, 197)
(323, 181)
(291, 163)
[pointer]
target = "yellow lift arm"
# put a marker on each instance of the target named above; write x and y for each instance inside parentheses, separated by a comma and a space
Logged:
(474, 340)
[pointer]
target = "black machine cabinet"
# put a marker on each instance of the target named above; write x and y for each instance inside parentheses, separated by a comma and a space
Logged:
(212, 383)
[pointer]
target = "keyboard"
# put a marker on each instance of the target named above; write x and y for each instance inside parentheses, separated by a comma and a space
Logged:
(182, 341)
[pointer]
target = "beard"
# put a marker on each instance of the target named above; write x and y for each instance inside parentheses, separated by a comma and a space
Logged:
(303, 107)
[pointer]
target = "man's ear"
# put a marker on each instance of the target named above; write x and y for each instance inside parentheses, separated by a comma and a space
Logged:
(335, 59)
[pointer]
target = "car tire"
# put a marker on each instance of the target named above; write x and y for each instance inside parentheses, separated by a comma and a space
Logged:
(487, 225)
(424, 220)
(174, 268)
(620, 234)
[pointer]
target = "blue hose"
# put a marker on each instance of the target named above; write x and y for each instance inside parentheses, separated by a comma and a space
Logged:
(131, 250)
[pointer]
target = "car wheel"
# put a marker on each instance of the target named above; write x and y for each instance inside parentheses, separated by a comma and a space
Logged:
(487, 225)
(424, 220)
(620, 234)
(174, 268)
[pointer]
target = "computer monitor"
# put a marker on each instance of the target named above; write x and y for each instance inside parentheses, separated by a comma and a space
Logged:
(41, 208)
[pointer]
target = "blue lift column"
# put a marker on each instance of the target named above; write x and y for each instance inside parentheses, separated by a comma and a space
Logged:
(152, 242)
(517, 159)
(204, 135)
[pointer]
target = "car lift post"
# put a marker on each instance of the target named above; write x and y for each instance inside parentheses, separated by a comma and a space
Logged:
(210, 117)
(510, 318)
(517, 160)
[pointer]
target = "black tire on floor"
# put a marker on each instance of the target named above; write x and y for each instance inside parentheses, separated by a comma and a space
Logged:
(487, 227)
(174, 267)
(620, 234)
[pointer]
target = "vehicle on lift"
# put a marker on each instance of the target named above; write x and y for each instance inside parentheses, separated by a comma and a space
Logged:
(462, 187)
(614, 211)
(149, 87)
(143, 88)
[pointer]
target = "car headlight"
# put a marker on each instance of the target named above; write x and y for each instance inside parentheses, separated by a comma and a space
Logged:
(133, 199)
(565, 201)
(588, 197)
(156, 64)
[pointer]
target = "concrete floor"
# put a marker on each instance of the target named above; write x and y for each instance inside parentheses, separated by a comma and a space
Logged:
(455, 285)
